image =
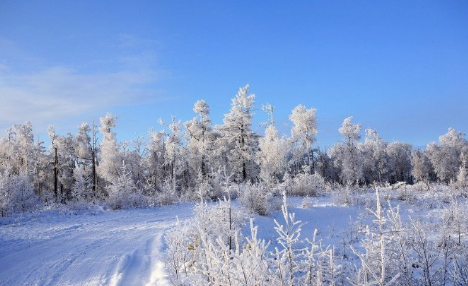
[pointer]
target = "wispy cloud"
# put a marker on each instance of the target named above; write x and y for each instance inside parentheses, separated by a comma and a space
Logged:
(58, 92)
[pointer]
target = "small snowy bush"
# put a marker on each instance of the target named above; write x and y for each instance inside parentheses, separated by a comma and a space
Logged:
(124, 193)
(256, 198)
(16, 194)
(304, 184)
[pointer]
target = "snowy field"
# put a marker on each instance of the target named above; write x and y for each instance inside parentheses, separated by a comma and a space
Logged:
(128, 247)
(122, 247)
(105, 248)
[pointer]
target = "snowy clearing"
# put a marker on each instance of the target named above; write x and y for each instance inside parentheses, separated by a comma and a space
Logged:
(108, 248)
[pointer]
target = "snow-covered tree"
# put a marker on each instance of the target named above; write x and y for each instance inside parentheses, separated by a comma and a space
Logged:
(303, 132)
(200, 140)
(110, 161)
(82, 186)
(462, 177)
(399, 161)
(375, 157)
(19, 150)
(123, 193)
(20, 154)
(346, 155)
(239, 143)
(154, 162)
(421, 166)
(132, 152)
(446, 157)
(272, 154)
(87, 152)
(173, 153)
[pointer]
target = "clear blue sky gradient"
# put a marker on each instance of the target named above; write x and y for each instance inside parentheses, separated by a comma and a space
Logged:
(400, 67)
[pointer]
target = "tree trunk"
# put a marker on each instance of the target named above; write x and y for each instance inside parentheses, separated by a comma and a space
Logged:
(56, 176)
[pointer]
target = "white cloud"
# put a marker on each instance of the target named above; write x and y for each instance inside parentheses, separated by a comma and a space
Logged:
(58, 92)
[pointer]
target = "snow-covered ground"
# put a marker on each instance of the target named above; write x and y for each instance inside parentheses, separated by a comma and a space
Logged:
(105, 248)
(127, 247)
(122, 247)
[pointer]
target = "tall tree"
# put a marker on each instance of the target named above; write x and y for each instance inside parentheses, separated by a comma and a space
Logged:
(200, 139)
(272, 154)
(375, 157)
(86, 150)
(173, 152)
(110, 162)
(446, 157)
(399, 155)
(238, 141)
(346, 154)
(421, 166)
(303, 132)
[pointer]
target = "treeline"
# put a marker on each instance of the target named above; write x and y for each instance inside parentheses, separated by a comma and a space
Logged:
(195, 159)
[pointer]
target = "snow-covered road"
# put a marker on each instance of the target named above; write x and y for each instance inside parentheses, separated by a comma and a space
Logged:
(109, 248)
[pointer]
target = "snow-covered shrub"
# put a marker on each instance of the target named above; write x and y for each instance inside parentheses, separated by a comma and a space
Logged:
(123, 193)
(166, 195)
(199, 251)
(81, 190)
(304, 184)
(307, 202)
(16, 194)
(208, 251)
(376, 263)
(343, 196)
(418, 187)
(256, 198)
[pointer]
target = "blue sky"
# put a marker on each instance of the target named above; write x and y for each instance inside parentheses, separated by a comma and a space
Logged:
(400, 67)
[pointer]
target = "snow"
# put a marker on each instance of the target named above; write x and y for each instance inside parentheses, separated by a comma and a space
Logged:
(107, 248)
(127, 247)
(330, 220)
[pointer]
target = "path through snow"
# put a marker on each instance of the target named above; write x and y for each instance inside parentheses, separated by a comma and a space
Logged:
(109, 248)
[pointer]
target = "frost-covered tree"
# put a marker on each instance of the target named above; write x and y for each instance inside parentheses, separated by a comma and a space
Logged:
(200, 140)
(347, 155)
(173, 153)
(272, 156)
(239, 143)
(446, 157)
(421, 166)
(399, 161)
(19, 151)
(303, 132)
(325, 166)
(462, 177)
(154, 161)
(375, 158)
(20, 154)
(123, 193)
(82, 186)
(87, 151)
(110, 161)
(63, 161)
(273, 151)
(132, 153)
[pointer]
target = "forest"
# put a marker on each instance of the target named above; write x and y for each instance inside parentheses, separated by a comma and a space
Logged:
(194, 160)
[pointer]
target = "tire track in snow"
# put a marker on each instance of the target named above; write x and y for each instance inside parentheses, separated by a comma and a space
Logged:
(112, 248)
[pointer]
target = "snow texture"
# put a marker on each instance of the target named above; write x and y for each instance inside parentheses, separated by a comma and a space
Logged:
(107, 248)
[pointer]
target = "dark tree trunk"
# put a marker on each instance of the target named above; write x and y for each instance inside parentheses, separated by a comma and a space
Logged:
(56, 176)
